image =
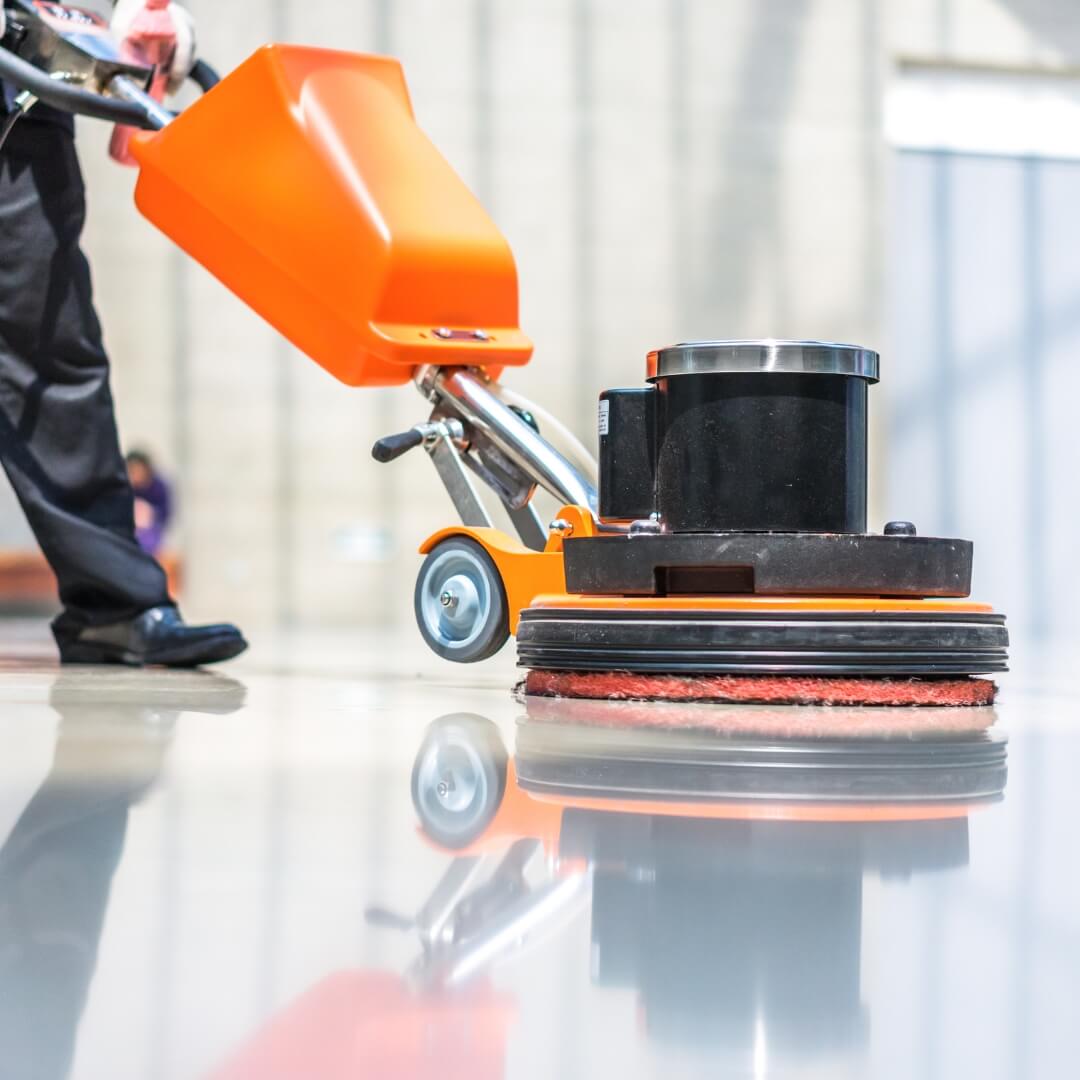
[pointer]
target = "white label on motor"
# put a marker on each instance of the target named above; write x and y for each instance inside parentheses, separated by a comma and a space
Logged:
(605, 416)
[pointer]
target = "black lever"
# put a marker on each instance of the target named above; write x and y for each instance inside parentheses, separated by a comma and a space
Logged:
(393, 446)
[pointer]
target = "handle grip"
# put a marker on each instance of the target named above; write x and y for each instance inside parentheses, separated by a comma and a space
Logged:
(70, 98)
(393, 446)
(130, 107)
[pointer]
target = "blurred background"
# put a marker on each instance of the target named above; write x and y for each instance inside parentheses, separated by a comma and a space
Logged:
(902, 175)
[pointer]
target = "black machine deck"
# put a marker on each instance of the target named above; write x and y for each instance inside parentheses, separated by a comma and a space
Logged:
(769, 563)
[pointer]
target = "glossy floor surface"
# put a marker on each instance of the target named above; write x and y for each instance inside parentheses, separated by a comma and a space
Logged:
(335, 859)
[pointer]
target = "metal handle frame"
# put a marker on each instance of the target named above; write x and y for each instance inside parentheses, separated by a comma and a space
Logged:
(102, 87)
(474, 431)
(62, 94)
(466, 928)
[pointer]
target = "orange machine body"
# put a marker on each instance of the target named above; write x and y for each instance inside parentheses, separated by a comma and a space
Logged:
(303, 183)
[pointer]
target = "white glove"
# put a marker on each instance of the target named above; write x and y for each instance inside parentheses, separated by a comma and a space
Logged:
(185, 56)
(3, 19)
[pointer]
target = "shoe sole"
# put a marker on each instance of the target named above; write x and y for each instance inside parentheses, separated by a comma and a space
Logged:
(214, 651)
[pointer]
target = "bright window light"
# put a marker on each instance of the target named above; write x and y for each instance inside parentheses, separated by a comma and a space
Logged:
(984, 112)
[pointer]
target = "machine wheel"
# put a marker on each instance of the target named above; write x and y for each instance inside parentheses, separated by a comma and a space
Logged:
(459, 778)
(460, 602)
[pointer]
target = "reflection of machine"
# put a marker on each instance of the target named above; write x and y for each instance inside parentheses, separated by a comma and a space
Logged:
(727, 535)
(470, 796)
(724, 878)
(726, 874)
(372, 1024)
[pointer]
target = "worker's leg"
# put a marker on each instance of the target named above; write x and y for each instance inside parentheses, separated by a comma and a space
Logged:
(58, 439)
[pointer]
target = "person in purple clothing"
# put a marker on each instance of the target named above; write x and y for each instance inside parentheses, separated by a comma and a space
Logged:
(153, 501)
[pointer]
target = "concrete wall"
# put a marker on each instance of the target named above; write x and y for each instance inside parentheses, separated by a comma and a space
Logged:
(664, 169)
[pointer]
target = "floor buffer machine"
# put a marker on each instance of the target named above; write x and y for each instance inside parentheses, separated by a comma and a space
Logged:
(720, 551)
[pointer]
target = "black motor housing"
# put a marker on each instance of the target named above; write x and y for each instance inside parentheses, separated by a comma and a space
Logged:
(627, 426)
(766, 436)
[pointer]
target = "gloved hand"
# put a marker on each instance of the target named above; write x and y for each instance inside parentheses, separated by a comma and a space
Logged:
(185, 56)
(3, 19)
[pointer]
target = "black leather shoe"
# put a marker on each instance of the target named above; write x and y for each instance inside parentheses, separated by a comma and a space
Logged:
(158, 636)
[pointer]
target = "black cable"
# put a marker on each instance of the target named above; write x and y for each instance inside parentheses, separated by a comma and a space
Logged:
(204, 76)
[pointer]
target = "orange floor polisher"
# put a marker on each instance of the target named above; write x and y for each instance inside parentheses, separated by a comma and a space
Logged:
(723, 551)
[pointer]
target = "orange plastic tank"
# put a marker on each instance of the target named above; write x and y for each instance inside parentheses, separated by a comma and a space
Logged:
(303, 183)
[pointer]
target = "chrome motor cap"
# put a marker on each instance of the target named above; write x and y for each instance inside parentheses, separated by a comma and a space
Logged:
(763, 355)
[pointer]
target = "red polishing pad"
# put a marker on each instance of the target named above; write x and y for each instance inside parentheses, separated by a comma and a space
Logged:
(750, 721)
(759, 689)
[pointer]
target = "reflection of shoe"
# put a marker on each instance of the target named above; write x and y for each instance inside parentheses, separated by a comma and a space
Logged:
(120, 696)
(116, 725)
(158, 637)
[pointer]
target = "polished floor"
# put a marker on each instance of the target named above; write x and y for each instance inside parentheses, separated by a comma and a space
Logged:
(338, 858)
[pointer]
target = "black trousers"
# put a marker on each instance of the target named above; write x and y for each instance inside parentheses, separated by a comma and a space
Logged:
(58, 438)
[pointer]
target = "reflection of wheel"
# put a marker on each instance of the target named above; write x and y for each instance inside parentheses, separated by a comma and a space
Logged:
(459, 778)
(460, 602)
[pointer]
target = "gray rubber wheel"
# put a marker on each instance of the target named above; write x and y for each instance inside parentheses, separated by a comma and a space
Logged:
(459, 778)
(460, 602)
